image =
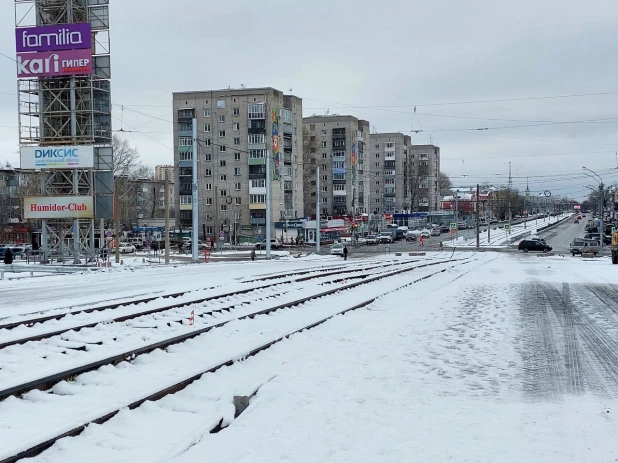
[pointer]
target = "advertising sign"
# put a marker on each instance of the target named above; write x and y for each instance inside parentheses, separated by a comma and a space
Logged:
(58, 207)
(54, 63)
(57, 157)
(53, 38)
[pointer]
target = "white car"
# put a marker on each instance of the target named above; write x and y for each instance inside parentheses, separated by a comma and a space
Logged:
(426, 233)
(125, 248)
(337, 249)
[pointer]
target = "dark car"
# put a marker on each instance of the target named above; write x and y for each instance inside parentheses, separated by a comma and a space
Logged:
(444, 229)
(534, 245)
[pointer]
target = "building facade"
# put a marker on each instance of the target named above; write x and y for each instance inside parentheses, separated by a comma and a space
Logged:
(163, 171)
(337, 145)
(238, 130)
(423, 168)
(389, 180)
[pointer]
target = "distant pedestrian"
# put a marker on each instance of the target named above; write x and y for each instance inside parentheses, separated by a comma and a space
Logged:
(441, 246)
(345, 253)
(253, 254)
(8, 256)
(180, 247)
(421, 240)
(212, 245)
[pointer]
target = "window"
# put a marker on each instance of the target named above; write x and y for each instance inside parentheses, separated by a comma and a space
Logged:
(222, 133)
(377, 182)
(207, 142)
(256, 111)
(236, 111)
(377, 164)
(257, 154)
(222, 148)
(186, 199)
(223, 193)
(237, 140)
(223, 178)
(208, 173)
(259, 183)
(256, 138)
(324, 200)
(207, 128)
(389, 181)
(208, 186)
(207, 157)
(389, 145)
(337, 187)
(223, 207)
(186, 156)
(236, 171)
(338, 164)
(209, 230)
(207, 112)
(311, 126)
(236, 156)
(325, 188)
(235, 126)
(312, 161)
(377, 147)
(339, 154)
(237, 201)
(287, 171)
(323, 166)
(324, 178)
(324, 155)
(257, 199)
(338, 143)
(221, 104)
(377, 201)
(338, 176)
(323, 144)
(209, 201)
(186, 186)
(237, 186)
(377, 155)
(222, 163)
(185, 141)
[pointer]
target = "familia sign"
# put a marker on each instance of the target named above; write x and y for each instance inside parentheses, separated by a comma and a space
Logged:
(48, 51)
(57, 157)
(58, 207)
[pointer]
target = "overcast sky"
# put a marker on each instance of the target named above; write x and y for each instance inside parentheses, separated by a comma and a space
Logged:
(376, 61)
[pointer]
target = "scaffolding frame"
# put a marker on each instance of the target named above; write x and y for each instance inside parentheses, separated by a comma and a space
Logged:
(71, 110)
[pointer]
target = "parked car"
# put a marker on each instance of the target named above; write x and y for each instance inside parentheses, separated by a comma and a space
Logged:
(435, 231)
(576, 221)
(534, 245)
(186, 244)
(412, 235)
(337, 249)
(445, 229)
(386, 236)
(371, 240)
(581, 246)
(274, 244)
(425, 233)
(125, 248)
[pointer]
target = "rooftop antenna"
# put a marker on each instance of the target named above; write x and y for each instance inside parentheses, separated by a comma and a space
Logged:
(420, 129)
(463, 169)
(430, 140)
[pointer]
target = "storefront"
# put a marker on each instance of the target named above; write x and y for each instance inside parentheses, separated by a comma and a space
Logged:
(16, 233)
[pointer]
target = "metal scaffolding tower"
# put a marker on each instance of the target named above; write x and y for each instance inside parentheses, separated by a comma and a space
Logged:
(71, 110)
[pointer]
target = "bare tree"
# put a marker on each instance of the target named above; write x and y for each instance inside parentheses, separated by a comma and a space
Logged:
(445, 186)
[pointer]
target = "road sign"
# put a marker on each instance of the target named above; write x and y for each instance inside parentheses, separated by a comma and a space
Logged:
(453, 226)
(221, 235)
(260, 238)
(108, 234)
(453, 231)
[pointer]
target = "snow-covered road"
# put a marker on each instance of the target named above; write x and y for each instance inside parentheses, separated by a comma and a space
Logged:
(511, 358)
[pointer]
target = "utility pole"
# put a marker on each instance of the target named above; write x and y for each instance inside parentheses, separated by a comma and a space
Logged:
(167, 217)
(317, 213)
(117, 231)
(478, 218)
(456, 213)
(509, 192)
(601, 193)
(195, 199)
(268, 205)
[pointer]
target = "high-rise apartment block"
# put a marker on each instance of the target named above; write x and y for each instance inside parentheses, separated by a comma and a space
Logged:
(337, 145)
(423, 172)
(164, 171)
(388, 163)
(238, 130)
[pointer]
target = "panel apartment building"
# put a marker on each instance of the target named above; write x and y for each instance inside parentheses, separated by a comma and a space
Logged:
(337, 145)
(390, 181)
(424, 169)
(237, 130)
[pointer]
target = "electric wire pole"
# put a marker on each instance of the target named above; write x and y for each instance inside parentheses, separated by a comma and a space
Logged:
(478, 217)
(317, 213)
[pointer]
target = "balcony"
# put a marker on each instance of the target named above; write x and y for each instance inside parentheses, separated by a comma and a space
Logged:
(389, 157)
(253, 190)
(258, 221)
(257, 206)
(184, 133)
(257, 175)
(186, 207)
(340, 193)
(338, 170)
(287, 128)
(389, 174)
(256, 127)
(389, 164)
(389, 194)
(287, 158)
(257, 162)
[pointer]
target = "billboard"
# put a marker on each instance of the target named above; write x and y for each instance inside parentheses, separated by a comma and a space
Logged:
(54, 63)
(57, 157)
(53, 38)
(58, 207)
